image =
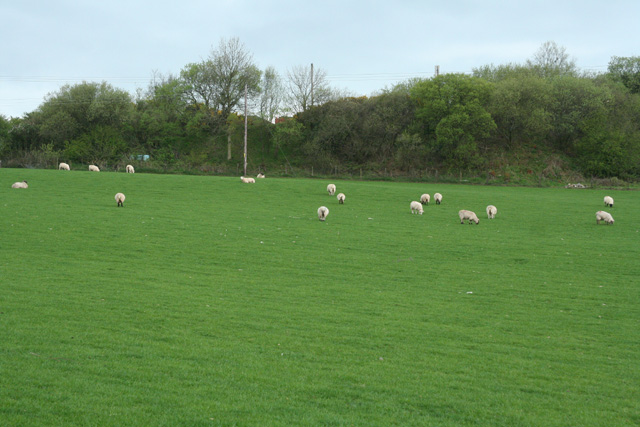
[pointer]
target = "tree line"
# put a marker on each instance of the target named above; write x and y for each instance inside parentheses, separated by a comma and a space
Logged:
(543, 118)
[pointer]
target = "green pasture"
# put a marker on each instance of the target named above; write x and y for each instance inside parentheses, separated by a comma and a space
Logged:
(205, 301)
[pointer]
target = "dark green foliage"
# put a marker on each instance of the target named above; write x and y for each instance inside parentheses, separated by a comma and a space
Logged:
(627, 71)
(104, 144)
(519, 106)
(453, 111)
(503, 121)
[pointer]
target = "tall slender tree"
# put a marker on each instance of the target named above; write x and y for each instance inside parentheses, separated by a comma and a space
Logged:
(217, 84)
(305, 83)
(272, 94)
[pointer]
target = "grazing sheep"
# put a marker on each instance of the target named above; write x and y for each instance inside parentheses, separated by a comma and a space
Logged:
(341, 198)
(608, 201)
(438, 198)
(491, 211)
(471, 216)
(416, 207)
(331, 188)
(424, 199)
(20, 184)
(604, 216)
(63, 167)
(247, 180)
(260, 175)
(120, 199)
(322, 213)
(130, 169)
(94, 168)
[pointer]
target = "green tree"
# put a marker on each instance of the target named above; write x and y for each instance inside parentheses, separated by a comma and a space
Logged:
(161, 116)
(519, 107)
(574, 101)
(5, 141)
(627, 71)
(609, 142)
(385, 119)
(218, 82)
(288, 136)
(452, 111)
(216, 86)
(75, 110)
(102, 145)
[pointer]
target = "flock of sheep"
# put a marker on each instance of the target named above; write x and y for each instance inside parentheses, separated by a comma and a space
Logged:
(464, 215)
(416, 207)
(93, 168)
(323, 211)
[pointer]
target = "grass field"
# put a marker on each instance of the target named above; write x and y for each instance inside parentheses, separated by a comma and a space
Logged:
(205, 301)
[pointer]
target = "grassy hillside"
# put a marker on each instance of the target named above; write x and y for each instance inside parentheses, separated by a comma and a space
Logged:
(205, 301)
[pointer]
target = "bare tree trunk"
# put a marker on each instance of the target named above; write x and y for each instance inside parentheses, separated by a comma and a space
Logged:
(229, 147)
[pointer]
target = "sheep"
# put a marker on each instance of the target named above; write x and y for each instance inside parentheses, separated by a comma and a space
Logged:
(471, 216)
(64, 167)
(322, 213)
(491, 211)
(94, 168)
(19, 184)
(120, 199)
(604, 216)
(331, 188)
(341, 198)
(247, 180)
(424, 199)
(438, 198)
(260, 175)
(130, 169)
(416, 207)
(608, 201)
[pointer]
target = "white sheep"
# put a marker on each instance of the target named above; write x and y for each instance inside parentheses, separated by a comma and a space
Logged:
(471, 216)
(20, 184)
(94, 168)
(120, 199)
(608, 201)
(130, 169)
(438, 198)
(331, 188)
(604, 216)
(416, 207)
(341, 198)
(491, 211)
(247, 180)
(64, 167)
(424, 199)
(322, 213)
(260, 175)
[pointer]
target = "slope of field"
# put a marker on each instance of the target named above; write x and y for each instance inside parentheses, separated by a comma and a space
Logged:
(205, 301)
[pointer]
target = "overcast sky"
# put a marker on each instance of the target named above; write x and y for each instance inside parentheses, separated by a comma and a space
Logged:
(364, 46)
